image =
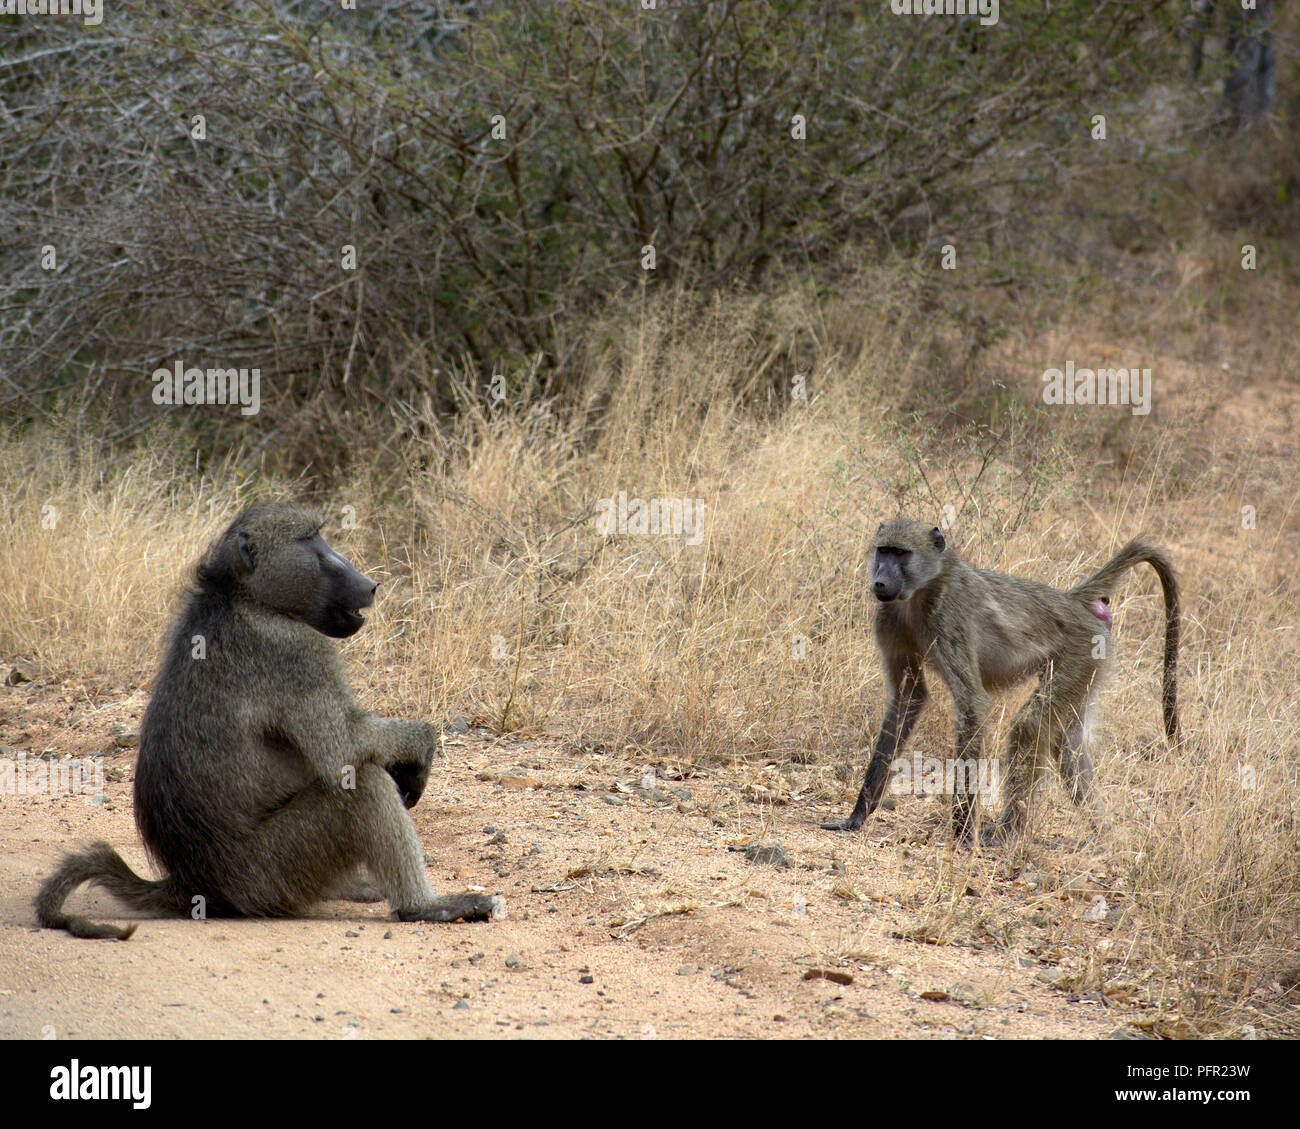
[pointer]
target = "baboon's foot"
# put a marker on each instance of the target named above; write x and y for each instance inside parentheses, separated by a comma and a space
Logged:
(456, 907)
(852, 823)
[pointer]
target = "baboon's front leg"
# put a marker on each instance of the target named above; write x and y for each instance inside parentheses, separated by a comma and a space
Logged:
(405, 748)
(340, 740)
(907, 698)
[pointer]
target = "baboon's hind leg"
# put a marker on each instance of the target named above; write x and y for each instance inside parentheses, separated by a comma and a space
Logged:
(299, 854)
(1050, 727)
(1077, 769)
(307, 850)
(1075, 762)
(1026, 762)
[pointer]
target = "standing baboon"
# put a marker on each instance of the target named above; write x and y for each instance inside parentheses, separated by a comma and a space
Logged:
(985, 631)
(261, 786)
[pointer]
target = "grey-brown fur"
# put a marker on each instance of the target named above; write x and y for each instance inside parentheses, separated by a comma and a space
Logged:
(261, 786)
(985, 631)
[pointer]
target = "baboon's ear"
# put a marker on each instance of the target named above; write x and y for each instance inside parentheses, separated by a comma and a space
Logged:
(245, 549)
(939, 543)
(880, 527)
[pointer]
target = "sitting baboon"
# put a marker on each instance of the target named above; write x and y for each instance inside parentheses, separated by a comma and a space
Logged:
(984, 631)
(261, 786)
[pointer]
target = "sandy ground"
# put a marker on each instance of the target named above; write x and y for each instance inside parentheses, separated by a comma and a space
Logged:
(634, 912)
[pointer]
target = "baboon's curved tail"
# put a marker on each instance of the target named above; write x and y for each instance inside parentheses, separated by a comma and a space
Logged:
(103, 866)
(1101, 582)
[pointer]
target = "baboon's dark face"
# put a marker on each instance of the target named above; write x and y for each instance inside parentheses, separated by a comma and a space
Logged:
(906, 557)
(342, 594)
(889, 574)
(305, 578)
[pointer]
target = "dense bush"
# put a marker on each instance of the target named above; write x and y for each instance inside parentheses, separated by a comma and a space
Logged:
(497, 168)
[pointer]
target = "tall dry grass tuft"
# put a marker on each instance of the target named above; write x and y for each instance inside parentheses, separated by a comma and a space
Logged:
(1210, 830)
(95, 551)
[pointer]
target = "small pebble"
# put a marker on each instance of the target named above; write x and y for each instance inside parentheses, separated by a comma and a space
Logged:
(769, 854)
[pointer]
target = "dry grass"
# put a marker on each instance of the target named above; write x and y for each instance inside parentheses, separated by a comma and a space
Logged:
(501, 599)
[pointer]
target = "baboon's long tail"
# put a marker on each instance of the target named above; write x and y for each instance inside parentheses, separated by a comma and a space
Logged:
(1101, 582)
(103, 866)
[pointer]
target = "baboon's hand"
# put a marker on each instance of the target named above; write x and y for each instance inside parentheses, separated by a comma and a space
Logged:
(410, 780)
(454, 907)
(410, 770)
